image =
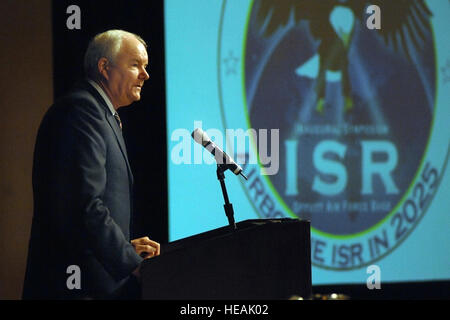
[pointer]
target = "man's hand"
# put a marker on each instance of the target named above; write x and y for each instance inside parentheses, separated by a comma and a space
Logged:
(146, 248)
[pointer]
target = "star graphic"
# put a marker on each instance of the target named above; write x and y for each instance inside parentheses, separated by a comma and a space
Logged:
(231, 63)
(446, 72)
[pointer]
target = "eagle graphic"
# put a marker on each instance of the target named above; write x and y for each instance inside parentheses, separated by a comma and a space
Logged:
(404, 26)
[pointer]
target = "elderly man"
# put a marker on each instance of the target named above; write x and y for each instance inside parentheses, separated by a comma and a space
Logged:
(82, 182)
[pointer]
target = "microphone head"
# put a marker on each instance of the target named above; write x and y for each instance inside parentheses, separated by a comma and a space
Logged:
(221, 157)
(200, 137)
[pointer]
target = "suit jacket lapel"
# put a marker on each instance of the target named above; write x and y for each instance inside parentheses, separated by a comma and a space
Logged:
(118, 133)
(112, 122)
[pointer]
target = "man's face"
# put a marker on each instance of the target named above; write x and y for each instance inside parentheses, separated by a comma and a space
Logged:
(126, 75)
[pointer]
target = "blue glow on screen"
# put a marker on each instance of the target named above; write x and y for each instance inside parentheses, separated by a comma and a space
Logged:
(363, 148)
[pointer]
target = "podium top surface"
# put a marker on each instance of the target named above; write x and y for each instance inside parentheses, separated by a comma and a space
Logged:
(225, 231)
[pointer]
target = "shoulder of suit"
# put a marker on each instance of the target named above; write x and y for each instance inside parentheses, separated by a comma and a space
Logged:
(81, 100)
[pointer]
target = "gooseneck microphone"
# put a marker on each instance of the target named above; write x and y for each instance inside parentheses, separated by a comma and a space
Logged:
(221, 157)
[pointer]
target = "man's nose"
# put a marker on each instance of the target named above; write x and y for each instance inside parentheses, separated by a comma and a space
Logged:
(144, 74)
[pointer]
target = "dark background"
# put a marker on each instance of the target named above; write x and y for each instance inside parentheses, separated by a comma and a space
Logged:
(144, 122)
(40, 60)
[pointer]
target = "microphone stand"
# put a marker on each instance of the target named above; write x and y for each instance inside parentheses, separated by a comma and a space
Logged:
(221, 168)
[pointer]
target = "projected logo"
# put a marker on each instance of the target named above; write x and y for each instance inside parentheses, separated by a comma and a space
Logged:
(362, 142)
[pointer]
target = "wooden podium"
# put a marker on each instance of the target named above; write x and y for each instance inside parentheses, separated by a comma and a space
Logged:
(260, 259)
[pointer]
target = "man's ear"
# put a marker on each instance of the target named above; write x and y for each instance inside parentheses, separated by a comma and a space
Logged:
(103, 67)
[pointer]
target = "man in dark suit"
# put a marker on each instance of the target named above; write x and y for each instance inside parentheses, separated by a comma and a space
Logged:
(82, 183)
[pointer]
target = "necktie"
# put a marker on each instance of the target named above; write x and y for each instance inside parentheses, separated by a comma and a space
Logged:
(119, 122)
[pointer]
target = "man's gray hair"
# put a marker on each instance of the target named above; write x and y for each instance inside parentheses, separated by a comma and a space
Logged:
(104, 45)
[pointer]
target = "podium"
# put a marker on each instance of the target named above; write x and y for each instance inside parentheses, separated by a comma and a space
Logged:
(260, 259)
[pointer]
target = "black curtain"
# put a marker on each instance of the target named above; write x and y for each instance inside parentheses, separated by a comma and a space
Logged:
(144, 122)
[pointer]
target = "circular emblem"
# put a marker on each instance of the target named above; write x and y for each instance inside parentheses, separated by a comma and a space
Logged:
(354, 119)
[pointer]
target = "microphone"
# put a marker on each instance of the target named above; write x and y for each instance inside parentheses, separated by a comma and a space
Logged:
(221, 157)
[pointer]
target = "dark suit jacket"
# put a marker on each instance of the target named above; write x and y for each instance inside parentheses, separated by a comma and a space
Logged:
(82, 187)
